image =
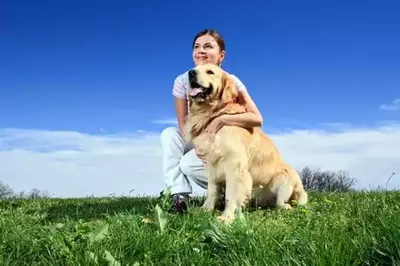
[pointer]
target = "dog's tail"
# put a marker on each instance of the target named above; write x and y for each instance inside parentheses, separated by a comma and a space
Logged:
(300, 195)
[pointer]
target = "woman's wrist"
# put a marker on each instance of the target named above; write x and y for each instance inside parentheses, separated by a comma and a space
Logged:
(224, 120)
(182, 131)
(244, 120)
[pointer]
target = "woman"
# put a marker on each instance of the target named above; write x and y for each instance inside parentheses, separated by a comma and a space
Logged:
(180, 160)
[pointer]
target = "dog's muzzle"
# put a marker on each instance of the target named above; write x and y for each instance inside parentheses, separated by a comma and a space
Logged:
(196, 90)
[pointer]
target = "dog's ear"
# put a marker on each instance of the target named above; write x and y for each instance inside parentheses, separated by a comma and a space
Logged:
(228, 90)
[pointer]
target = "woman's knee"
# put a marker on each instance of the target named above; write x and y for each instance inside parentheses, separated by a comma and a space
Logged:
(172, 142)
(169, 133)
(171, 136)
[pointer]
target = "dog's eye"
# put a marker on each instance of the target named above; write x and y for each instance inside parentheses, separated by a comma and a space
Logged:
(209, 72)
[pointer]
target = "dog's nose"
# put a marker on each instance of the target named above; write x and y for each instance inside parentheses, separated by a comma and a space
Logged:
(192, 74)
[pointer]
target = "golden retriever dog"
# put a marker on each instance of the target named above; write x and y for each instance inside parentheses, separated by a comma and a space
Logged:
(244, 161)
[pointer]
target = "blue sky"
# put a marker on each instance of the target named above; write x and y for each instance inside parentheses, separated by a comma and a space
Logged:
(85, 67)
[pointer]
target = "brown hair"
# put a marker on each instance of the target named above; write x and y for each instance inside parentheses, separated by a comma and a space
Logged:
(213, 33)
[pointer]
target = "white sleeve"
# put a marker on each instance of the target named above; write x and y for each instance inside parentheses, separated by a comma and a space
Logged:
(179, 89)
(239, 84)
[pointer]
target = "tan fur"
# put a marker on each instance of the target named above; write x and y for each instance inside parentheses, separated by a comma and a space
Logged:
(245, 161)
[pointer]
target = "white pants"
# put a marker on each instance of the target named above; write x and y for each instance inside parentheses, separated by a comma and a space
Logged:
(180, 162)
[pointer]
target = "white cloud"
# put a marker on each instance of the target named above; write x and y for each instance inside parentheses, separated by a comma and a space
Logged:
(394, 106)
(166, 121)
(70, 164)
(76, 164)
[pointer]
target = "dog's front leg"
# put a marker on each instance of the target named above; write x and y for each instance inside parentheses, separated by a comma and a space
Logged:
(238, 189)
(212, 190)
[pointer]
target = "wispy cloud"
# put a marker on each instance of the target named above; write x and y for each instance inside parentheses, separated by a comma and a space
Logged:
(394, 106)
(69, 163)
(166, 121)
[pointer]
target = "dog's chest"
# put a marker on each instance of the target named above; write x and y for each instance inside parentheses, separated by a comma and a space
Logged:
(203, 142)
(206, 148)
(212, 148)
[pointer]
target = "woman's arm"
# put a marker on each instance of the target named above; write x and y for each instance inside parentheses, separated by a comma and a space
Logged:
(181, 109)
(181, 102)
(252, 118)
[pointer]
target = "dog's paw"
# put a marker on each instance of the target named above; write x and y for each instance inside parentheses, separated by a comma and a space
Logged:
(225, 219)
(207, 207)
(285, 206)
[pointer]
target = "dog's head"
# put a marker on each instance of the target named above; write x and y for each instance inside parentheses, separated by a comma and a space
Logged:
(210, 84)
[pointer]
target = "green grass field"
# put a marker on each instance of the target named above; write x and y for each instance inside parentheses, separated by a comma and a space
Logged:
(354, 228)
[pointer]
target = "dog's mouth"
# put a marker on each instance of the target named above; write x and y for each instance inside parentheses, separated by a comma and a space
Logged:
(198, 91)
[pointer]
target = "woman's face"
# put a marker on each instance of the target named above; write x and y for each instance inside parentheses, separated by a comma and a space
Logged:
(206, 50)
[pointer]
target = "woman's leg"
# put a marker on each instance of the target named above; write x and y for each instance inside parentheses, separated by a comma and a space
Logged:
(193, 168)
(173, 149)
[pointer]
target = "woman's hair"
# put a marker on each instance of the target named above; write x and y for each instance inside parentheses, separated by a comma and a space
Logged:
(218, 38)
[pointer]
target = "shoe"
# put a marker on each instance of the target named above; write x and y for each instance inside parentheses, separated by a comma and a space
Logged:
(179, 203)
(161, 196)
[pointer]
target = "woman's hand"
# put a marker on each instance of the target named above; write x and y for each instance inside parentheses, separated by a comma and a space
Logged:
(215, 125)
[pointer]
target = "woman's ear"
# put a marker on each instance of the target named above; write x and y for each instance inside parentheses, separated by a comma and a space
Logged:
(223, 53)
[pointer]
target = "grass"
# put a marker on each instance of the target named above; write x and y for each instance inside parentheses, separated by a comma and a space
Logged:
(354, 228)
